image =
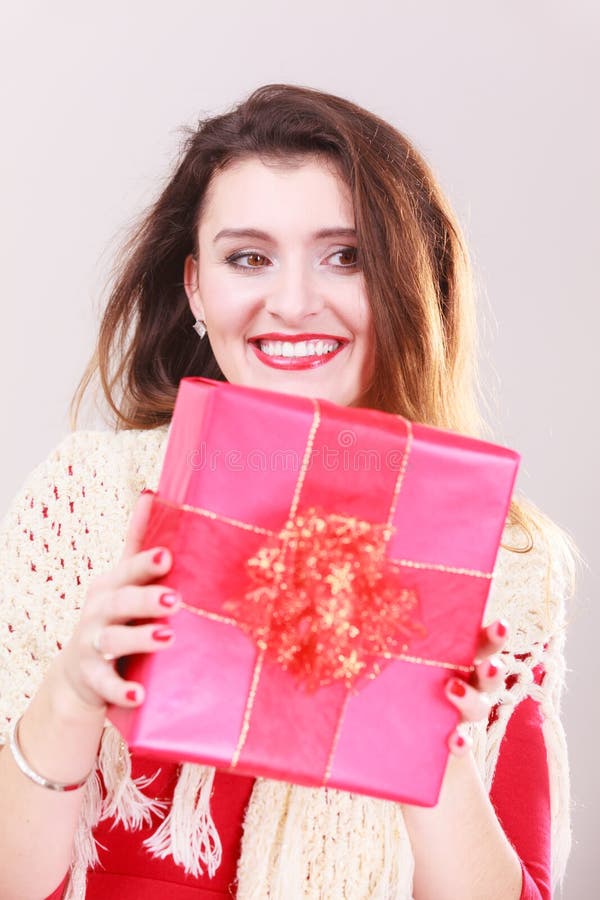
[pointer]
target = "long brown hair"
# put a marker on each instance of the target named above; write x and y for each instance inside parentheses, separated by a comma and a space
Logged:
(411, 251)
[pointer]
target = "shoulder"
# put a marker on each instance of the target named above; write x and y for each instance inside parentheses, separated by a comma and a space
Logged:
(97, 456)
(83, 491)
(136, 452)
(531, 587)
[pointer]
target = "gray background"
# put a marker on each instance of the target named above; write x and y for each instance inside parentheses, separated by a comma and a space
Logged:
(500, 97)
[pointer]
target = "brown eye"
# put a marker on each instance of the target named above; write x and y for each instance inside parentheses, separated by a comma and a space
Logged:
(252, 260)
(348, 257)
(247, 260)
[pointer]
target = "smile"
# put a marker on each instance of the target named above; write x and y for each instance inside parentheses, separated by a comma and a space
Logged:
(296, 351)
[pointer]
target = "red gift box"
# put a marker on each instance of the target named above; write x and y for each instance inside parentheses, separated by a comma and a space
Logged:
(334, 565)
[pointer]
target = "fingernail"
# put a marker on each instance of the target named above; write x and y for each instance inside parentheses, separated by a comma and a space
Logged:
(162, 634)
(501, 628)
(131, 695)
(158, 557)
(146, 491)
(457, 688)
(169, 600)
(492, 670)
(459, 740)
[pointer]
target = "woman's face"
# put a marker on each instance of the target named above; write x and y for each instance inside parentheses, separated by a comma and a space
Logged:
(277, 284)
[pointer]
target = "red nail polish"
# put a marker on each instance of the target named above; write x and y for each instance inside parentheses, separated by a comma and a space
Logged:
(457, 688)
(158, 557)
(146, 491)
(501, 629)
(162, 634)
(131, 695)
(459, 740)
(168, 600)
(492, 670)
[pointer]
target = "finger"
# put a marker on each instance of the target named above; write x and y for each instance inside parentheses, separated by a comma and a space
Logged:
(137, 524)
(492, 638)
(125, 640)
(472, 704)
(490, 674)
(459, 744)
(107, 684)
(143, 568)
(135, 602)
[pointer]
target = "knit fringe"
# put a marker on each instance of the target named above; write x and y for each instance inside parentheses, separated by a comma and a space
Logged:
(311, 843)
(398, 869)
(263, 826)
(561, 837)
(188, 834)
(85, 852)
(558, 769)
(124, 798)
(289, 868)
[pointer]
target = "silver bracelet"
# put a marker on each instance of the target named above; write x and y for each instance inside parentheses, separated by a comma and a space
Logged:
(15, 749)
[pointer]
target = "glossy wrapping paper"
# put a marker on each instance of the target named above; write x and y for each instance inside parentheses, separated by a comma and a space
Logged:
(244, 467)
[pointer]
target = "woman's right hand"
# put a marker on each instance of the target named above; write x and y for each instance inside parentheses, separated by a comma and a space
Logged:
(114, 599)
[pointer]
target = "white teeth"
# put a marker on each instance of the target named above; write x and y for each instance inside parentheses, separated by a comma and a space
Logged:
(299, 348)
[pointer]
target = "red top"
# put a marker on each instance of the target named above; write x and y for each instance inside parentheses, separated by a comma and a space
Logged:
(128, 871)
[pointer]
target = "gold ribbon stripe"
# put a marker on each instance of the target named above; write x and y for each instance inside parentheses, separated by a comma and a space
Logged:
(336, 737)
(248, 711)
(404, 657)
(267, 532)
(439, 567)
(216, 517)
(401, 473)
(306, 458)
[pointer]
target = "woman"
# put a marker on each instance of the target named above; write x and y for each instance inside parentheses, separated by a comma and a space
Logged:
(297, 226)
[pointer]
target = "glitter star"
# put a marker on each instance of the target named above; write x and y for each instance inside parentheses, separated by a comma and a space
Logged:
(340, 578)
(350, 666)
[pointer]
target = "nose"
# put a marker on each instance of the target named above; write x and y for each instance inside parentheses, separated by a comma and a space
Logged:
(293, 296)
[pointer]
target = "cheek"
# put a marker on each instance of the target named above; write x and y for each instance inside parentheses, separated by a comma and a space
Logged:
(367, 339)
(362, 325)
(226, 309)
(357, 301)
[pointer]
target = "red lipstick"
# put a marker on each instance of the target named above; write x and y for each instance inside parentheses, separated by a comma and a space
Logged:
(296, 362)
(294, 338)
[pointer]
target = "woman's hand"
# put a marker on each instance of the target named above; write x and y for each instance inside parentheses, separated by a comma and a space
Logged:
(459, 845)
(85, 670)
(472, 699)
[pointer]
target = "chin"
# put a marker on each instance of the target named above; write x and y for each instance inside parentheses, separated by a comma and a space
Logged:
(298, 387)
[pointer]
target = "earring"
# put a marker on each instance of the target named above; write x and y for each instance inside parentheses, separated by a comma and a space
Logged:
(199, 327)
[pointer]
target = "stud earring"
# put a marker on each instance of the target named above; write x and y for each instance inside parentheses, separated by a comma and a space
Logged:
(199, 327)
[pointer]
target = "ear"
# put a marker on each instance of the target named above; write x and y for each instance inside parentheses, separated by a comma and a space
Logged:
(190, 283)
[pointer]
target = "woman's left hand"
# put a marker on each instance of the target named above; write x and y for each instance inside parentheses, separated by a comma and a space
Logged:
(472, 698)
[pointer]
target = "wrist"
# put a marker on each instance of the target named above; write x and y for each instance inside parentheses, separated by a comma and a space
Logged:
(68, 707)
(459, 777)
(37, 777)
(58, 742)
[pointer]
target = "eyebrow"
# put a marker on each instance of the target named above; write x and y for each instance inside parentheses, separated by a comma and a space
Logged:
(263, 236)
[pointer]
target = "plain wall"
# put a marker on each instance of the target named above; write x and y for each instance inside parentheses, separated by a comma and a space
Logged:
(501, 99)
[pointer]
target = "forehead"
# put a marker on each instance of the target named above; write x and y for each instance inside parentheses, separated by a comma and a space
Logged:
(253, 191)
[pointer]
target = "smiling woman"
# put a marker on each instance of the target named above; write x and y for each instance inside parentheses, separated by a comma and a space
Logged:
(301, 245)
(285, 167)
(300, 307)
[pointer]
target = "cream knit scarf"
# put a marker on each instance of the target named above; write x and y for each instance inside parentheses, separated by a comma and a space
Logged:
(68, 522)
